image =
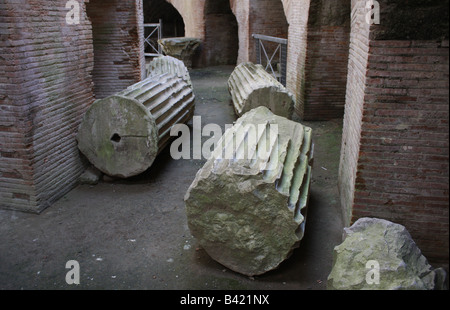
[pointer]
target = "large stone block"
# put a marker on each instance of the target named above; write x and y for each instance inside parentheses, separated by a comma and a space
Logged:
(182, 48)
(251, 86)
(121, 135)
(380, 255)
(247, 205)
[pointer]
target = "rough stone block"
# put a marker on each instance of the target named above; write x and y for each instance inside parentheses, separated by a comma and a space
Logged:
(380, 255)
(91, 176)
(251, 86)
(247, 205)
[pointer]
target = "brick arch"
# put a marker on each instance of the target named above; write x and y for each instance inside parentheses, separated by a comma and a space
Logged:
(213, 22)
(297, 12)
(192, 12)
(173, 22)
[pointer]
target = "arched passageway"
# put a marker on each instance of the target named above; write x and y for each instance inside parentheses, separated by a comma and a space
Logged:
(172, 21)
(221, 41)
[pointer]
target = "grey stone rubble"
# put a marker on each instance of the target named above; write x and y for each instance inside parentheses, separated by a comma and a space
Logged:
(121, 135)
(249, 212)
(251, 86)
(91, 176)
(399, 263)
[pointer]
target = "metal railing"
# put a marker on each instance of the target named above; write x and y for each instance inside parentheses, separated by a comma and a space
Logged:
(281, 51)
(149, 40)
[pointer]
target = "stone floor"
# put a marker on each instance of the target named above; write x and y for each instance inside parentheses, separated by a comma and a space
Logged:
(133, 235)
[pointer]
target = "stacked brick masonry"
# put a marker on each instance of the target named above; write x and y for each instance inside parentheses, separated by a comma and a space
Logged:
(221, 44)
(118, 44)
(403, 165)
(297, 16)
(45, 89)
(358, 61)
(240, 9)
(326, 73)
(326, 60)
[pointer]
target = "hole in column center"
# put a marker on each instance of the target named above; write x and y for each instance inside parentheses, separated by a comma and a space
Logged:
(116, 138)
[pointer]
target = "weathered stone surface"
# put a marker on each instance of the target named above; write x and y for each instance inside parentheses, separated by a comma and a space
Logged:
(249, 212)
(171, 65)
(401, 263)
(182, 48)
(91, 176)
(251, 86)
(121, 135)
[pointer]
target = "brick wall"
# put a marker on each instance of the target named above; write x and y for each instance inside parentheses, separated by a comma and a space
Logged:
(118, 44)
(394, 161)
(45, 87)
(318, 50)
(297, 13)
(326, 60)
(403, 168)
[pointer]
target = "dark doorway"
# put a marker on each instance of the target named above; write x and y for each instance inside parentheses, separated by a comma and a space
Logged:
(221, 34)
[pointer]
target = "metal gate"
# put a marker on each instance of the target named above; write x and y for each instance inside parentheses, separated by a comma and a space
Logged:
(280, 61)
(151, 40)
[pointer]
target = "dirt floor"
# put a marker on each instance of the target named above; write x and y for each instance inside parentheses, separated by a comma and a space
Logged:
(133, 234)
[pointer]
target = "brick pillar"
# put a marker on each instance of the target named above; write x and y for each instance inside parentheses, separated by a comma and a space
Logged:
(297, 12)
(240, 9)
(395, 150)
(317, 67)
(326, 62)
(45, 89)
(117, 28)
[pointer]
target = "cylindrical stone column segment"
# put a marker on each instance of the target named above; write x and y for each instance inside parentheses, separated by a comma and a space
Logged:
(121, 135)
(249, 213)
(251, 86)
(171, 65)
